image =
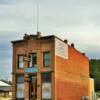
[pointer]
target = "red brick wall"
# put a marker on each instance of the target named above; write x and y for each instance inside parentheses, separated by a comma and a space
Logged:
(71, 76)
(31, 46)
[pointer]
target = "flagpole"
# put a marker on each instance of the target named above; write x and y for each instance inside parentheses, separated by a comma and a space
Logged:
(37, 11)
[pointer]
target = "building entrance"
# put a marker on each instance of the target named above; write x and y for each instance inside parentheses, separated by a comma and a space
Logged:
(33, 87)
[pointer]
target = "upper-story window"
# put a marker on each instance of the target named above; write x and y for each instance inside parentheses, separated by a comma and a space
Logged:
(33, 60)
(20, 61)
(46, 59)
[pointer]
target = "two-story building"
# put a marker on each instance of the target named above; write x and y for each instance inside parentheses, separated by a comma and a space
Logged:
(48, 68)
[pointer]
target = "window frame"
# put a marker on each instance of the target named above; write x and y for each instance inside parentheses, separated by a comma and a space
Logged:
(32, 60)
(19, 83)
(43, 82)
(18, 62)
(46, 59)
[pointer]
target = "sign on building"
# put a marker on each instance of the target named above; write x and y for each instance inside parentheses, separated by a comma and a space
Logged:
(61, 49)
(46, 91)
(31, 70)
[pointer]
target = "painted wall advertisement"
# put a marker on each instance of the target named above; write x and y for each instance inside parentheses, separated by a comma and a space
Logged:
(61, 49)
(20, 91)
(46, 91)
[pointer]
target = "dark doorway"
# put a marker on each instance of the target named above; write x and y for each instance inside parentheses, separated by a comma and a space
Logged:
(33, 87)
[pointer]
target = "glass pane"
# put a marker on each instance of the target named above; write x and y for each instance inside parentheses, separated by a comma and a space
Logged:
(20, 90)
(20, 61)
(46, 91)
(33, 60)
(33, 80)
(34, 55)
(30, 64)
(20, 58)
(47, 55)
(20, 79)
(46, 77)
(21, 64)
(47, 62)
(46, 59)
(46, 86)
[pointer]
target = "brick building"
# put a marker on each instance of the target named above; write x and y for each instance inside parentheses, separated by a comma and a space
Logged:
(48, 68)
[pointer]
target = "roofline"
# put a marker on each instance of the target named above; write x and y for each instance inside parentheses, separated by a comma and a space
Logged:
(17, 41)
(78, 51)
(43, 37)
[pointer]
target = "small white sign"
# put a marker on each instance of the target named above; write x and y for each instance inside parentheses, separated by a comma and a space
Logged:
(61, 49)
(46, 91)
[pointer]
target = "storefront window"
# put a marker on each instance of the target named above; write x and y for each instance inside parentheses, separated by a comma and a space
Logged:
(33, 60)
(46, 77)
(46, 59)
(46, 86)
(20, 61)
(20, 88)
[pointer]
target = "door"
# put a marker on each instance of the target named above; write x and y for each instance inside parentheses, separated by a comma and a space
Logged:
(33, 87)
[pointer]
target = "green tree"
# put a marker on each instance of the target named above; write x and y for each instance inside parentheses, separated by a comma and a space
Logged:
(95, 72)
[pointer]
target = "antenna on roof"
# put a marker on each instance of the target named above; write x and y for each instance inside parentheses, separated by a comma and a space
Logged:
(37, 14)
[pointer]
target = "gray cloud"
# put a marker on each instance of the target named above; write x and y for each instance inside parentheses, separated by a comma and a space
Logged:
(5, 2)
(6, 69)
(76, 20)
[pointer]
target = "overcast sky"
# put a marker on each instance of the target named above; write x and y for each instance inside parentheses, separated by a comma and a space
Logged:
(76, 20)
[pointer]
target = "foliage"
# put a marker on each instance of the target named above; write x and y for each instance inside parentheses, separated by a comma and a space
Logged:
(95, 72)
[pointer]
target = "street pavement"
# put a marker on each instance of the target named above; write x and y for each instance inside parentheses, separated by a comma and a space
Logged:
(98, 99)
(5, 98)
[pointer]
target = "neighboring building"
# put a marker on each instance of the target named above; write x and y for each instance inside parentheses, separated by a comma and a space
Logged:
(47, 68)
(92, 90)
(5, 88)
